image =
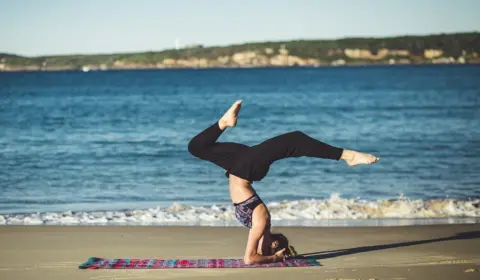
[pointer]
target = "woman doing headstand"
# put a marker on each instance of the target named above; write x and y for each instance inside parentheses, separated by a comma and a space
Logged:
(244, 165)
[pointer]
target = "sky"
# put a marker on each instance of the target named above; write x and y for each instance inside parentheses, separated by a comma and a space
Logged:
(50, 27)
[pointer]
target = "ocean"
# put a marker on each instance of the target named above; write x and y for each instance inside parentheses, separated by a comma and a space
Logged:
(110, 147)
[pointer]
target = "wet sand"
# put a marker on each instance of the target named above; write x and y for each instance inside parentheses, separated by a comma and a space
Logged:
(407, 252)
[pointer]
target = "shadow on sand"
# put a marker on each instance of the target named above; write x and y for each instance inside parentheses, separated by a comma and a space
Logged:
(350, 251)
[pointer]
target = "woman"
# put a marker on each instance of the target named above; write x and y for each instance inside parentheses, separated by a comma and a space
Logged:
(244, 165)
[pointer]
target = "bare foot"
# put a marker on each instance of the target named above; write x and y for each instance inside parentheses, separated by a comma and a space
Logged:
(355, 158)
(230, 117)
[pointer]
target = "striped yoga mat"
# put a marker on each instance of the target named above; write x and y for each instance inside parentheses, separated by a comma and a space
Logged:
(127, 263)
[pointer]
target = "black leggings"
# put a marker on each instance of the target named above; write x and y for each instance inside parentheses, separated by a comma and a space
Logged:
(253, 163)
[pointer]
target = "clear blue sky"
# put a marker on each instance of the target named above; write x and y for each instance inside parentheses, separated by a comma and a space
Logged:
(39, 27)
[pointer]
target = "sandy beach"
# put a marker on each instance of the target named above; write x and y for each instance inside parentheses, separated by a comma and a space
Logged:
(409, 252)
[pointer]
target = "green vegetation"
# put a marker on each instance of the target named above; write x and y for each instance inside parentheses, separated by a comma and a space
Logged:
(465, 45)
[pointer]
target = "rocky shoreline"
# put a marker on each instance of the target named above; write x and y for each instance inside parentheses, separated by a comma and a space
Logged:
(415, 50)
(225, 62)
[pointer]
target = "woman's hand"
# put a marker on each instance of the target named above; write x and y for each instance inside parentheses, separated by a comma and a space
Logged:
(280, 255)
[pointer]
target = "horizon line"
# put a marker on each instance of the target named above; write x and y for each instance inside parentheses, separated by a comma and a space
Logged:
(251, 42)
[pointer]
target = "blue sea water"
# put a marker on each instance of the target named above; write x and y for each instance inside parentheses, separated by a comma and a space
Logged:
(117, 140)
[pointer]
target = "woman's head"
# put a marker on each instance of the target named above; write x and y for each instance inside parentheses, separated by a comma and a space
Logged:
(279, 241)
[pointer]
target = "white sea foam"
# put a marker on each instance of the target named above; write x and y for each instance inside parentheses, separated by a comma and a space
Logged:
(287, 213)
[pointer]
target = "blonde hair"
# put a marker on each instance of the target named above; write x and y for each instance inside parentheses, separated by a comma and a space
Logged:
(291, 251)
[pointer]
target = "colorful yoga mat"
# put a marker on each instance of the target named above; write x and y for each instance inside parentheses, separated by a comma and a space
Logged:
(126, 263)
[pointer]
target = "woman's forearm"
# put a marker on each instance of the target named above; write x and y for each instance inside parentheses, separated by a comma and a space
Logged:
(259, 259)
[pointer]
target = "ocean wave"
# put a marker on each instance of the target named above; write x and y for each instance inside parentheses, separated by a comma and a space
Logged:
(291, 213)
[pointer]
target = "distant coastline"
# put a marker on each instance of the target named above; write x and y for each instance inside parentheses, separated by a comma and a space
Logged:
(454, 48)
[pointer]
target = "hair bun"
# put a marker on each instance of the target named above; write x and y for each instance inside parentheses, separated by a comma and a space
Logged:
(292, 251)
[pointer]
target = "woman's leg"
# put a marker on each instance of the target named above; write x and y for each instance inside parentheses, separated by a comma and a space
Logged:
(298, 144)
(205, 145)
(254, 164)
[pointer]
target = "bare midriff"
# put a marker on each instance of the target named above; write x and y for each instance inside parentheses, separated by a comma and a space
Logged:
(240, 189)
